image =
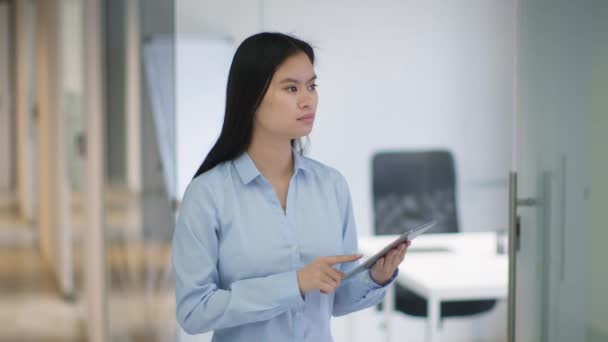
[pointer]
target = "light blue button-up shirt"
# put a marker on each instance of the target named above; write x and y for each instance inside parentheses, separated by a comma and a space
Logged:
(236, 254)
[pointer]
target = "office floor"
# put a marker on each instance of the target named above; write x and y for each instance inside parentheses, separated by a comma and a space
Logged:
(32, 310)
(141, 302)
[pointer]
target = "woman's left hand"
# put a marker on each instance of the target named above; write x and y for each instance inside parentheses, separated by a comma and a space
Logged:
(385, 267)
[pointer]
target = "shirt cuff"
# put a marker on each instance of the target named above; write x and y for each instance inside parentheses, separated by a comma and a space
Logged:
(372, 283)
(294, 288)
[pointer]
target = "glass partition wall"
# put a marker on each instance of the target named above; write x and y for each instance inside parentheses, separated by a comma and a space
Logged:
(91, 178)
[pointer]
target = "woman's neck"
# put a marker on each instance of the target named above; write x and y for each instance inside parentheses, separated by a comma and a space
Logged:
(272, 157)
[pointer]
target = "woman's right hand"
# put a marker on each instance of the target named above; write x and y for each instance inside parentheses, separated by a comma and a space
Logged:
(320, 275)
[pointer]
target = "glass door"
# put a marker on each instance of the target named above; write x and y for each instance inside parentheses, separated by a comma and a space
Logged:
(559, 123)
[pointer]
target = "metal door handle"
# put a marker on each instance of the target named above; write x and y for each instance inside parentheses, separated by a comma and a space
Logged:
(526, 202)
(514, 238)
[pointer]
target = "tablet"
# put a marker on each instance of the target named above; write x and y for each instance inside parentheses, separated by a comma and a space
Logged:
(408, 235)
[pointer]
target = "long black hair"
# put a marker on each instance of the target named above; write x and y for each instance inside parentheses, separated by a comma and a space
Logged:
(252, 69)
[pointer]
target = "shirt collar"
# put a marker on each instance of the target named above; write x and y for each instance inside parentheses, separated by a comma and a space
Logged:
(248, 171)
(246, 168)
(298, 161)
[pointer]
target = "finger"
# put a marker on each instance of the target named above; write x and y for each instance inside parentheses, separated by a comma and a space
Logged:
(333, 273)
(401, 253)
(397, 249)
(380, 262)
(387, 260)
(339, 259)
(327, 288)
(393, 261)
(396, 259)
(329, 280)
(398, 254)
(402, 256)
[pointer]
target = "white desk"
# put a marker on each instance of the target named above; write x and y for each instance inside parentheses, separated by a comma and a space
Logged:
(469, 268)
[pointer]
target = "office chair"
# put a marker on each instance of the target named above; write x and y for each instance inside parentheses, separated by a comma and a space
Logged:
(410, 188)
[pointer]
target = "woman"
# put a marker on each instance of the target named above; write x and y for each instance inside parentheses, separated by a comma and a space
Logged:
(264, 234)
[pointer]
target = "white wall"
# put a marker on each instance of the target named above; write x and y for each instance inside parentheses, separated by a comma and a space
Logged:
(202, 63)
(397, 75)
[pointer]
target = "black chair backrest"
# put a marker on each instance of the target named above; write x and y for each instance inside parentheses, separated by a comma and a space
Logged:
(413, 187)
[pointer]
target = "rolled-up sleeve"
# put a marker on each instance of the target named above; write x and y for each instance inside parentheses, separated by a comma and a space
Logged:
(201, 304)
(360, 291)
